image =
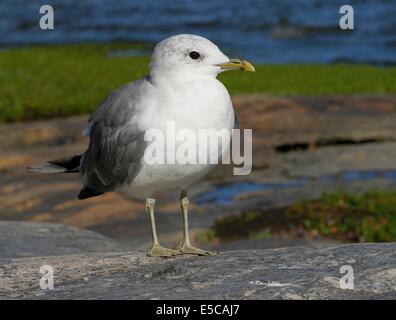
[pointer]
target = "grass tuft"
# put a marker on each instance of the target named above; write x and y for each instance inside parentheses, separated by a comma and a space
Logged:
(344, 216)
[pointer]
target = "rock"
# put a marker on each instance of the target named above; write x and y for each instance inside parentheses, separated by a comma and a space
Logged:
(288, 273)
(25, 239)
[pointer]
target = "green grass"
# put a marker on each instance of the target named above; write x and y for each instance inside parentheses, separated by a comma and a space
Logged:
(368, 217)
(42, 82)
(61, 80)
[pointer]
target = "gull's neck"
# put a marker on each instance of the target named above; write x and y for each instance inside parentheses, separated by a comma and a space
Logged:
(177, 76)
(182, 84)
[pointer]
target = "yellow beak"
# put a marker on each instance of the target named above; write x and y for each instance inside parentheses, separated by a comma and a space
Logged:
(237, 64)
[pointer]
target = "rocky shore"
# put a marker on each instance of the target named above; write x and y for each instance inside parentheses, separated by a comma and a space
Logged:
(85, 269)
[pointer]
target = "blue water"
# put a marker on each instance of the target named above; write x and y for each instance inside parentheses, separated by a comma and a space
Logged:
(225, 194)
(266, 31)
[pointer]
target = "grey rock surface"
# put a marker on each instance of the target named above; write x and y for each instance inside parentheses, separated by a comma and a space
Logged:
(289, 273)
(26, 239)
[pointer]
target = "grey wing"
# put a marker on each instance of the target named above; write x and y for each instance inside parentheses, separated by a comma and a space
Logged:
(116, 143)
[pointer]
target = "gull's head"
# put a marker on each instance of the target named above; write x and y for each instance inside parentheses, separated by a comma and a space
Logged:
(192, 56)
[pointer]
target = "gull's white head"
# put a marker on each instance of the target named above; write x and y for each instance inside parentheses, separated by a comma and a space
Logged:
(188, 55)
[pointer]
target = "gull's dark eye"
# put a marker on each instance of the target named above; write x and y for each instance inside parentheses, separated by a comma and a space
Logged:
(194, 55)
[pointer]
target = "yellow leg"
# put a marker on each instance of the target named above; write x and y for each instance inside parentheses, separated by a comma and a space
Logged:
(157, 250)
(186, 246)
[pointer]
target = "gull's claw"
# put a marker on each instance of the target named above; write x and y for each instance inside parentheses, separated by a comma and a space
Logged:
(160, 251)
(189, 249)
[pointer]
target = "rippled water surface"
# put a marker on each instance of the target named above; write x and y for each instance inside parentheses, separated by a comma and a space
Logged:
(263, 30)
(225, 194)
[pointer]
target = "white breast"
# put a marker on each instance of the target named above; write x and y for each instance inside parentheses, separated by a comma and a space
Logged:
(193, 105)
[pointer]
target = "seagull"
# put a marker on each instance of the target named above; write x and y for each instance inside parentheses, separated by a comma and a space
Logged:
(182, 88)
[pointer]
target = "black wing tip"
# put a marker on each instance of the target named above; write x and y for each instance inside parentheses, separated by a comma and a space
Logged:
(88, 193)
